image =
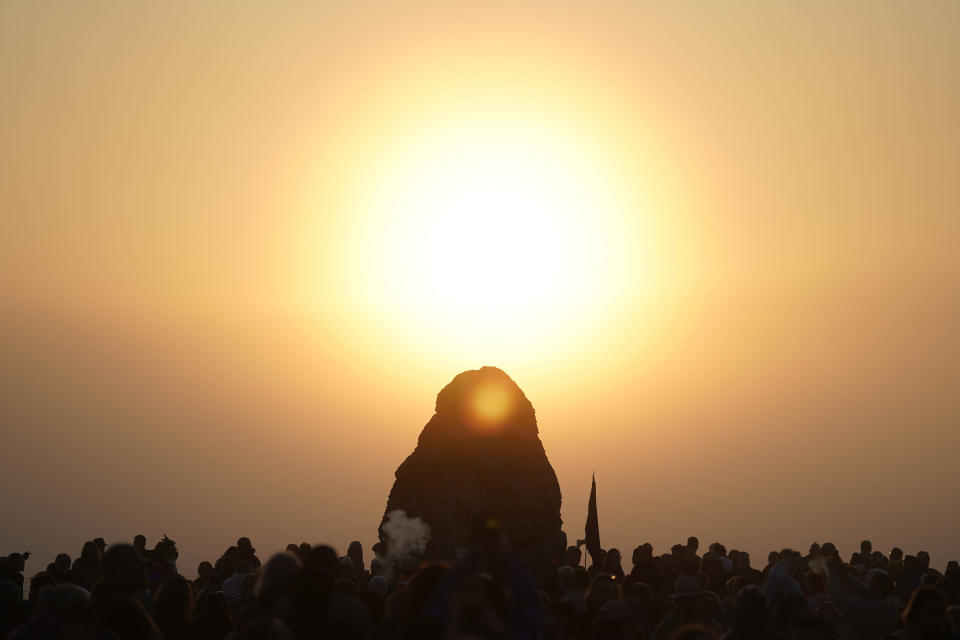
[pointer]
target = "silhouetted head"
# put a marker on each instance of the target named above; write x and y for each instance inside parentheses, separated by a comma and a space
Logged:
(751, 610)
(346, 568)
(275, 575)
(39, 582)
(244, 544)
(643, 553)
(687, 592)
(322, 557)
(565, 577)
(866, 547)
(90, 551)
(16, 562)
(924, 559)
(355, 552)
(423, 584)
(927, 612)
(949, 589)
(603, 588)
(68, 602)
(692, 544)
(123, 569)
(573, 556)
(930, 578)
(788, 555)
(378, 567)
(62, 562)
(166, 550)
(814, 549)
(734, 585)
(640, 592)
(140, 542)
(611, 562)
(214, 615)
(174, 599)
(580, 579)
(712, 565)
(378, 584)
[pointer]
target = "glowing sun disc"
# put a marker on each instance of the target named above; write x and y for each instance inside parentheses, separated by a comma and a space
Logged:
(492, 232)
(490, 404)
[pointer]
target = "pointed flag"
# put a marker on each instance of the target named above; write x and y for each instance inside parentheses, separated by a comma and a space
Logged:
(592, 529)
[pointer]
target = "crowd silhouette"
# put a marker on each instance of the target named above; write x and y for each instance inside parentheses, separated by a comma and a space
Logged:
(130, 591)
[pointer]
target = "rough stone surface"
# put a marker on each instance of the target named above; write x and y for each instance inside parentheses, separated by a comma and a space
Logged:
(465, 469)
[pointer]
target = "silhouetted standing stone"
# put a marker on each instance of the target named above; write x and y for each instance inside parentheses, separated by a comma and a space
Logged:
(480, 455)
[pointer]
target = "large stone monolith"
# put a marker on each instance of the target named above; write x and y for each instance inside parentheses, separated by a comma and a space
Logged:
(478, 457)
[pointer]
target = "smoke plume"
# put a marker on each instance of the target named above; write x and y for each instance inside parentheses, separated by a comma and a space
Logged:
(405, 537)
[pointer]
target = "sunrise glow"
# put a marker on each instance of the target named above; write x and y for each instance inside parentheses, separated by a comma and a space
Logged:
(490, 404)
(507, 229)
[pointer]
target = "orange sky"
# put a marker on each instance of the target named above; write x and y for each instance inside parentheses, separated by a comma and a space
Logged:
(197, 240)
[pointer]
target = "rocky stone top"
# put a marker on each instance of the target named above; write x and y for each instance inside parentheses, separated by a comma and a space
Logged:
(479, 456)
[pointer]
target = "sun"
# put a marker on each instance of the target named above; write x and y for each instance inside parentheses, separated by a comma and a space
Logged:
(491, 232)
(490, 405)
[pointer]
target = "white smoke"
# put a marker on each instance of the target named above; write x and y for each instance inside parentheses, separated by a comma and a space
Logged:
(818, 565)
(406, 537)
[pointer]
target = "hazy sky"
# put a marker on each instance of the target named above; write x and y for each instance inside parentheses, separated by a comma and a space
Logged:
(243, 245)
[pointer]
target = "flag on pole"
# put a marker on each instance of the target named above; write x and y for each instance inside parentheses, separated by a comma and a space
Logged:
(592, 528)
